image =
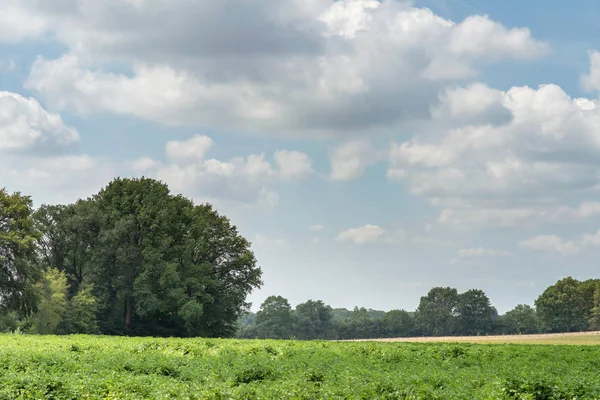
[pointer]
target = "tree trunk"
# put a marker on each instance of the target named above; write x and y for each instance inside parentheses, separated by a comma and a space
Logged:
(128, 312)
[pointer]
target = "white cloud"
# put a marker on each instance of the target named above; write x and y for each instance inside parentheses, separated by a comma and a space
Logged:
(293, 165)
(267, 242)
(241, 180)
(550, 243)
(499, 171)
(591, 240)
(361, 235)
(591, 81)
(482, 252)
(56, 179)
(317, 227)
(17, 24)
(25, 125)
(290, 67)
(193, 149)
(349, 160)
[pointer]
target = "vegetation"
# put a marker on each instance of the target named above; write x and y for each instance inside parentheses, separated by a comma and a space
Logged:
(135, 259)
(87, 367)
(132, 259)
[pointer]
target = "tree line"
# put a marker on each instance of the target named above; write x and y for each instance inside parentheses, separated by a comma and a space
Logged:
(132, 259)
(135, 259)
(567, 306)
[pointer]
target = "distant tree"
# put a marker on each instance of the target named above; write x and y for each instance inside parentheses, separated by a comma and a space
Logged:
(520, 320)
(594, 314)
(397, 323)
(52, 292)
(562, 308)
(474, 313)
(81, 313)
(313, 319)
(437, 311)
(274, 319)
(19, 271)
(359, 325)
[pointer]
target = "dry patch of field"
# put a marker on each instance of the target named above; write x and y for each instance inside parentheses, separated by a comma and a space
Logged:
(574, 338)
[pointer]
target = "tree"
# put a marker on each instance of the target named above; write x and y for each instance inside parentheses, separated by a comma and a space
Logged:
(437, 311)
(397, 323)
(155, 263)
(18, 269)
(561, 308)
(359, 325)
(474, 313)
(594, 314)
(313, 319)
(274, 319)
(68, 235)
(80, 316)
(52, 292)
(520, 320)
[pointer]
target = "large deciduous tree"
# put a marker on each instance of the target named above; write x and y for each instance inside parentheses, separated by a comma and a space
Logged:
(150, 263)
(474, 313)
(562, 307)
(437, 311)
(18, 270)
(313, 319)
(521, 320)
(275, 318)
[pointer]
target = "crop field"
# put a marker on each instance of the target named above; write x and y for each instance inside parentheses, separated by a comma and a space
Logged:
(576, 338)
(90, 367)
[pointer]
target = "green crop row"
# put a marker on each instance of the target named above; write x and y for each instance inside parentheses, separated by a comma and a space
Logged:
(94, 367)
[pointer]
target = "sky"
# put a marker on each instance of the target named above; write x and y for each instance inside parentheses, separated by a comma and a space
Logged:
(369, 150)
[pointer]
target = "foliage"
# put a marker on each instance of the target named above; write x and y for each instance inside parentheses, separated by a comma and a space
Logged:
(93, 367)
(275, 318)
(520, 320)
(474, 313)
(437, 310)
(313, 320)
(397, 323)
(562, 307)
(18, 270)
(52, 292)
(81, 314)
(139, 260)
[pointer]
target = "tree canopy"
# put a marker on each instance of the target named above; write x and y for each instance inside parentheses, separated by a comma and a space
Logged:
(133, 259)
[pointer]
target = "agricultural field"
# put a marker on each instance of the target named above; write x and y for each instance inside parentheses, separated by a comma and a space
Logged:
(94, 367)
(574, 338)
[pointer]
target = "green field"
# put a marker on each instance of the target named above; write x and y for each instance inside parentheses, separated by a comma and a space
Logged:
(80, 367)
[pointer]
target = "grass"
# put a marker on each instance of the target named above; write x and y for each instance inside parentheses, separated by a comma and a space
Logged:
(89, 367)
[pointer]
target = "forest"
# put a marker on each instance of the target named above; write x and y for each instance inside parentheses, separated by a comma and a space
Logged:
(135, 259)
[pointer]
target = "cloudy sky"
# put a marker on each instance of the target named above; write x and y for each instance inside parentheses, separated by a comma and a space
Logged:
(369, 150)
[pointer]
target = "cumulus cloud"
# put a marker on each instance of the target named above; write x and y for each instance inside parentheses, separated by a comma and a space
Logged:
(56, 178)
(18, 23)
(550, 243)
(243, 180)
(293, 165)
(289, 67)
(591, 80)
(361, 235)
(481, 252)
(189, 150)
(519, 171)
(26, 125)
(350, 159)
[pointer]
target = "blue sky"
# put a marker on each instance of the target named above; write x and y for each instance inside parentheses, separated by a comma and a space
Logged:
(369, 150)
